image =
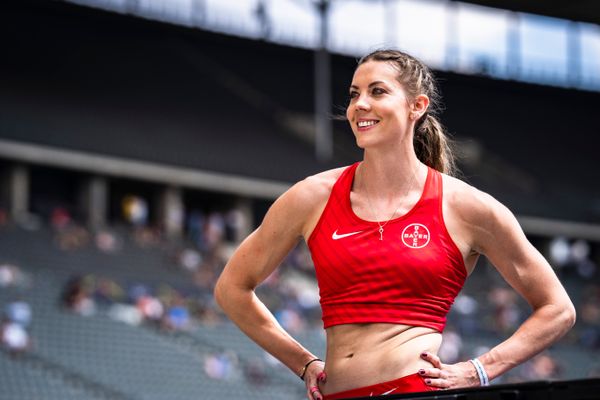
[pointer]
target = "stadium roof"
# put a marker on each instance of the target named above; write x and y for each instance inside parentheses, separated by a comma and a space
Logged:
(576, 10)
(112, 92)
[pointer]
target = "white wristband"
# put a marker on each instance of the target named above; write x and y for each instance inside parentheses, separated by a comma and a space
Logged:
(483, 378)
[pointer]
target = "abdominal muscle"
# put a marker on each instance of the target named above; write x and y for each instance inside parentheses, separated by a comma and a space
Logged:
(361, 355)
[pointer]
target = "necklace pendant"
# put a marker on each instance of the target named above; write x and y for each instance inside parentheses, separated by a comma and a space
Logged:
(381, 233)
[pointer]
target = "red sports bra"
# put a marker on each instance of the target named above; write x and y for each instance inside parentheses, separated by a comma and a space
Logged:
(410, 277)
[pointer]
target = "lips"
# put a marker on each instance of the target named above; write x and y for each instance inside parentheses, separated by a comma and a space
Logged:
(367, 123)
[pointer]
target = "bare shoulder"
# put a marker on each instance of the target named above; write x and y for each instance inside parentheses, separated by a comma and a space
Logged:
(466, 199)
(320, 184)
(480, 214)
(305, 201)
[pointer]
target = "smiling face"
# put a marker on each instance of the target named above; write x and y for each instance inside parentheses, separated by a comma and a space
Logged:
(379, 107)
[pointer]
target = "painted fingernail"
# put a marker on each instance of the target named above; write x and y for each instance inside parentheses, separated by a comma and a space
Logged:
(422, 371)
(423, 355)
(428, 381)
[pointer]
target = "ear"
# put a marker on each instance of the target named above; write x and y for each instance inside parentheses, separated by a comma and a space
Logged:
(419, 105)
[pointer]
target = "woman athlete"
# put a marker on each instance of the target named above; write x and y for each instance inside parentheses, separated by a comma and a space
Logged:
(393, 239)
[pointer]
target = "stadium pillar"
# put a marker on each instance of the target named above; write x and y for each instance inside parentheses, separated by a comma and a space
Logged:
(198, 12)
(95, 201)
(513, 46)
(18, 184)
(574, 53)
(323, 125)
(452, 40)
(171, 212)
(390, 24)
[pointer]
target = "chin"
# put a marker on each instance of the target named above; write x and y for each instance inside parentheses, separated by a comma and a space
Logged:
(365, 142)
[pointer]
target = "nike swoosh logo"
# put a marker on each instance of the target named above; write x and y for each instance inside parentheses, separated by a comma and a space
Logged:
(388, 392)
(335, 235)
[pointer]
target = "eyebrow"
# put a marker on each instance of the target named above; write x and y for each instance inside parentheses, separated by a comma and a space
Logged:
(370, 84)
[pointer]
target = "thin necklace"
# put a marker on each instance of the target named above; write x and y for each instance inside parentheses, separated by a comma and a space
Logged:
(397, 208)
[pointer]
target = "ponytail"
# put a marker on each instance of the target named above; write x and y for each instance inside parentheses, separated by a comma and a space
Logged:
(432, 146)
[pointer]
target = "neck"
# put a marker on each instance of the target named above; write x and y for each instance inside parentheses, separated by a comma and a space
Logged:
(389, 174)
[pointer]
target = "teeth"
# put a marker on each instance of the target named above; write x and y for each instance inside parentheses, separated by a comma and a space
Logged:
(362, 124)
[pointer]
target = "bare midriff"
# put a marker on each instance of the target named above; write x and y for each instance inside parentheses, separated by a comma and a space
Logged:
(361, 355)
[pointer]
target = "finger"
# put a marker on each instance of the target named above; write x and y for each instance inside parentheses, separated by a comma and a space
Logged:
(432, 358)
(431, 373)
(314, 393)
(438, 383)
(322, 376)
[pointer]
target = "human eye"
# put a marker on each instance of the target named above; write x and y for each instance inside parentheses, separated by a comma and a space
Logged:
(376, 91)
(353, 94)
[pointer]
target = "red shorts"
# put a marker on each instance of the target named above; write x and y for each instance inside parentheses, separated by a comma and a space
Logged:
(406, 384)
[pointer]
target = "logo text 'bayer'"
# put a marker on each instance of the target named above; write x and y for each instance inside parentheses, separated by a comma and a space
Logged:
(416, 236)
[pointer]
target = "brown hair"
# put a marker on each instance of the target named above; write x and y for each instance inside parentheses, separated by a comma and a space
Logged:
(432, 144)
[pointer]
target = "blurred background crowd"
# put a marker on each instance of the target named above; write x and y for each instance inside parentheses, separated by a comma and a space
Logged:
(140, 142)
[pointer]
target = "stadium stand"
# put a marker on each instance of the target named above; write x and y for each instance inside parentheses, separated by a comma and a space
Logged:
(102, 84)
(159, 91)
(101, 356)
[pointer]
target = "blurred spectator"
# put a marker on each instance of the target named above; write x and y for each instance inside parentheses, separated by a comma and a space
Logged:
(195, 228)
(72, 238)
(190, 259)
(137, 290)
(7, 275)
(290, 320)
(125, 313)
(107, 292)
(221, 365)
(19, 311)
(107, 242)
(14, 337)
(235, 223)
(451, 349)
(262, 19)
(135, 210)
(467, 321)
(60, 218)
(150, 308)
(77, 297)
(208, 315)
(12, 275)
(214, 230)
(177, 317)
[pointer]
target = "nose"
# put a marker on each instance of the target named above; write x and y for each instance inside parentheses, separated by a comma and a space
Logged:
(362, 103)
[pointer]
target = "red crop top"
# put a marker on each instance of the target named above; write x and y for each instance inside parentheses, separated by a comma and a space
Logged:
(411, 277)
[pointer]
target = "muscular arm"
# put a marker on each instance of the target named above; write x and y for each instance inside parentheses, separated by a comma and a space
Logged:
(253, 262)
(484, 226)
(497, 234)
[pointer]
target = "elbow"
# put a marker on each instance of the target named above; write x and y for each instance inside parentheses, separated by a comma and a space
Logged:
(228, 294)
(570, 316)
(566, 317)
(218, 293)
